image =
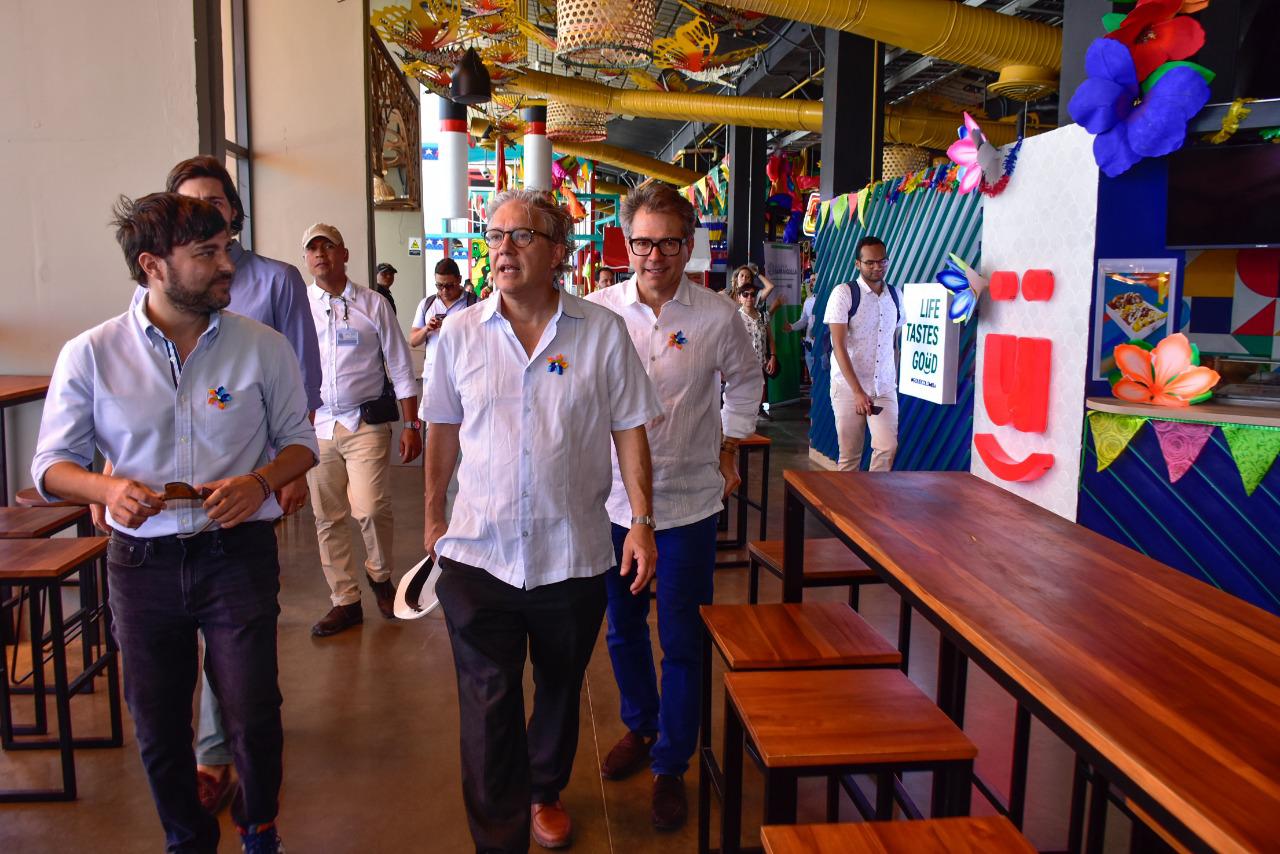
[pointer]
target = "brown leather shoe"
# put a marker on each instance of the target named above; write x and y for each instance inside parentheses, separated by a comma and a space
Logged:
(385, 593)
(628, 756)
(339, 619)
(551, 826)
(670, 808)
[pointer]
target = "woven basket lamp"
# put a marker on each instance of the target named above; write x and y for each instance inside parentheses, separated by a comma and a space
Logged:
(605, 33)
(568, 123)
(899, 159)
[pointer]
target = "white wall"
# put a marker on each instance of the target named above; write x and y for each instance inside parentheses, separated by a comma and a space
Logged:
(96, 99)
(306, 105)
(392, 230)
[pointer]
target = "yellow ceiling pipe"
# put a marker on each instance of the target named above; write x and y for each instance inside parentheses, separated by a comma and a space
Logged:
(611, 187)
(938, 130)
(940, 28)
(629, 160)
(743, 111)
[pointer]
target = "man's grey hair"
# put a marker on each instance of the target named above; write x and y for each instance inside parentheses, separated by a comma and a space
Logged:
(658, 198)
(555, 219)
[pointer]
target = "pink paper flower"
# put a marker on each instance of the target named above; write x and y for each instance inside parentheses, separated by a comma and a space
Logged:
(1165, 376)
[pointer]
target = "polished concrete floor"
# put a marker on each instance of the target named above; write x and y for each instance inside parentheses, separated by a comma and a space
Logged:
(371, 722)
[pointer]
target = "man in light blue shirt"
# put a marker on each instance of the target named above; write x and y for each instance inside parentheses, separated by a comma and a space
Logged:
(188, 402)
(270, 292)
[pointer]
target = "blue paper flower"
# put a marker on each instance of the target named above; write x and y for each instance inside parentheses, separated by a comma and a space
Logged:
(1129, 124)
(964, 300)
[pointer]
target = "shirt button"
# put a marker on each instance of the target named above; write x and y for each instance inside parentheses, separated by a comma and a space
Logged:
(184, 440)
(524, 533)
(526, 452)
(653, 358)
(655, 327)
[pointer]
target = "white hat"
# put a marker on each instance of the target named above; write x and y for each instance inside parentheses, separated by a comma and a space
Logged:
(321, 229)
(416, 593)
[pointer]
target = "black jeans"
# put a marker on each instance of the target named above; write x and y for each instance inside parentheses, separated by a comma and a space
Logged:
(163, 589)
(490, 625)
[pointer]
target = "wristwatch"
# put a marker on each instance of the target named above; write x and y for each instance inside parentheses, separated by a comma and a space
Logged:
(642, 520)
(413, 425)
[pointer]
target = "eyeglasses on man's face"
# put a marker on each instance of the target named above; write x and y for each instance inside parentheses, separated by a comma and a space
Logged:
(876, 262)
(521, 237)
(642, 246)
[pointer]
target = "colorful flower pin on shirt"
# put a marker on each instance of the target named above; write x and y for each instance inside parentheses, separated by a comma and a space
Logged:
(219, 397)
(556, 364)
(677, 340)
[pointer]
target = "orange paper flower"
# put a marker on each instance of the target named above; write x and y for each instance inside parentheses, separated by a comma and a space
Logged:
(1165, 376)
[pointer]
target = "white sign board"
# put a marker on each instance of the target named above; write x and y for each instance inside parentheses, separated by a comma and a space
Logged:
(930, 344)
(782, 266)
(415, 247)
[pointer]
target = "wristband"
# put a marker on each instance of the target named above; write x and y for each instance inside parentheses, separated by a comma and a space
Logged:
(262, 481)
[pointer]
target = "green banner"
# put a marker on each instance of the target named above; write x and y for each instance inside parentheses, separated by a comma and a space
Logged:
(1254, 449)
(786, 385)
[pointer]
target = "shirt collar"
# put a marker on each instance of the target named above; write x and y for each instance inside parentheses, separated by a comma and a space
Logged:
(567, 305)
(236, 252)
(320, 294)
(631, 291)
(144, 323)
(866, 289)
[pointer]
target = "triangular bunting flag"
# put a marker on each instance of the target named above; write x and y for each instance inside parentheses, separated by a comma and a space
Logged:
(839, 208)
(824, 210)
(864, 199)
(1111, 434)
(1254, 449)
(1181, 444)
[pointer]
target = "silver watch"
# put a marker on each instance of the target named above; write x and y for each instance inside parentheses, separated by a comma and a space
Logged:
(642, 520)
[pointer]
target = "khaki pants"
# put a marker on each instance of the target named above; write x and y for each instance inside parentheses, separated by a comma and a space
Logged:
(352, 479)
(851, 430)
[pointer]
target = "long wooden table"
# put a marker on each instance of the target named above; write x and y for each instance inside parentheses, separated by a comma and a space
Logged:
(1170, 688)
(15, 390)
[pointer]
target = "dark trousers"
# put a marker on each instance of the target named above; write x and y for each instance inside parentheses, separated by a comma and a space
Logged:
(163, 589)
(491, 624)
(686, 565)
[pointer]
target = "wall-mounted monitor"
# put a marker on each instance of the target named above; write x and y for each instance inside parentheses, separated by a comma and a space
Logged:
(1224, 195)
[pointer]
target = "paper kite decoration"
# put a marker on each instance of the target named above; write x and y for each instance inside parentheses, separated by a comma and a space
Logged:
(967, 286)
(981, 161)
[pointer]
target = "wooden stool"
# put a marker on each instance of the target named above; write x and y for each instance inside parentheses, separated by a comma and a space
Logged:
(837, 722)
(827, 563)
(987, 835)
(43, 564)
(753, 443)
(808, 635)
(30, 497)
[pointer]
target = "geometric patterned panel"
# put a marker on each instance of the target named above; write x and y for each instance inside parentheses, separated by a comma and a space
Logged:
(1211, 273)
(1232, 299)
(919, 229)
(1204, 525)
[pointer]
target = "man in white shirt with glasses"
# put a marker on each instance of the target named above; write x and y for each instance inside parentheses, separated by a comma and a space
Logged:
(532, 386)
(689, 339)
(360, 346)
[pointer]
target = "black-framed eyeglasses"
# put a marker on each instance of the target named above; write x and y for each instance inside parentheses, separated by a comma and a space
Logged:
(521, 237)
(871, 262)
(642, 246)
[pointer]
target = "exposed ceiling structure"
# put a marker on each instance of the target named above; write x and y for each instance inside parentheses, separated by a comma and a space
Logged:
(775, 58)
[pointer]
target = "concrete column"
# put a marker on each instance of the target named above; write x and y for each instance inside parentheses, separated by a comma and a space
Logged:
(748, 192)
(852, 113)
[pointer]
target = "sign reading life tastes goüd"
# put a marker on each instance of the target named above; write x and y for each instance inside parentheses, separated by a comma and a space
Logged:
(930, 344)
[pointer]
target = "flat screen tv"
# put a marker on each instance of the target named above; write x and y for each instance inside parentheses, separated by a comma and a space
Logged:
(1224, 195)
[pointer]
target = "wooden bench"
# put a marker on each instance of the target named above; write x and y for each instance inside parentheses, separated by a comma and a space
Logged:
(42, 565)
(986, 835)
(808, 635)
(836, 723)
(742, 500)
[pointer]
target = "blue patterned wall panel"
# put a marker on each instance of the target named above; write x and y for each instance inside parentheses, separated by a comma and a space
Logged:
(1204, 524)
(918, 230)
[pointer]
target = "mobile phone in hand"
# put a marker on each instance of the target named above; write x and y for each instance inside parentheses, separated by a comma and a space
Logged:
(876, 410)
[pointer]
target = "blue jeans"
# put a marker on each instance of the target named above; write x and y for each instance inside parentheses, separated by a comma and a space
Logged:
(164, 589)
(685, 576)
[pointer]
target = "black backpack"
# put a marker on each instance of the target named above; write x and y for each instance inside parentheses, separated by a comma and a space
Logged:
(467, 294)
(855, 300)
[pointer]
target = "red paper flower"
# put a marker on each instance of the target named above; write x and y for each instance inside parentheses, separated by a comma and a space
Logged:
(1155, 33)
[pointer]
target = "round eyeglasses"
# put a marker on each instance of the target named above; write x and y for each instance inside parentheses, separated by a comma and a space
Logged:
(521, 237)
(642, 246)
(870, 262)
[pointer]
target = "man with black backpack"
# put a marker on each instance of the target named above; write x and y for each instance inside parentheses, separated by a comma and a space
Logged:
(863, 317)
(450, 298)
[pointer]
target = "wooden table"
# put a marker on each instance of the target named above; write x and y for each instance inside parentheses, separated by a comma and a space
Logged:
(44, 564)
(15, 390)
(1170, 688)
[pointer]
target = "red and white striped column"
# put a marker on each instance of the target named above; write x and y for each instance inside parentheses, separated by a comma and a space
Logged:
(455, 145)
(537, 149)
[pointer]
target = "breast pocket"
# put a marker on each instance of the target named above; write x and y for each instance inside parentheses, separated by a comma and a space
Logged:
(233, 417)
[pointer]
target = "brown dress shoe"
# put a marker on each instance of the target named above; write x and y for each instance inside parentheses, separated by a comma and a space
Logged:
(670, 808)
(385, 593)
(340, 618)
(628, 756)
(551, 826)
